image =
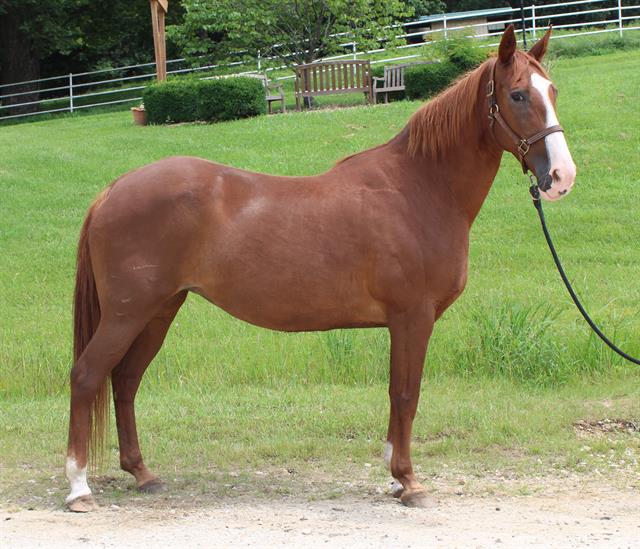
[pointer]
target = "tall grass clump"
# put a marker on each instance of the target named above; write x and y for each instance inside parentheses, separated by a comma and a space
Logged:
(515, 341)
(530, 344)
(353, 357)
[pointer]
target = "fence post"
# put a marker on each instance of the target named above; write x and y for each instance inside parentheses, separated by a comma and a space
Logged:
(620, 16)
(259, 61)
(353, 47)
(444, 24)
(533, 21)
(523, 23)
(71, 92)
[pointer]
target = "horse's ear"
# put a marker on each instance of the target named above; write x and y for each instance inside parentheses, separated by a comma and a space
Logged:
(540, 47)
(507, 45)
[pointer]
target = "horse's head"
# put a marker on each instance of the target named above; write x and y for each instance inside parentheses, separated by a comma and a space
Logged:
(524, 99)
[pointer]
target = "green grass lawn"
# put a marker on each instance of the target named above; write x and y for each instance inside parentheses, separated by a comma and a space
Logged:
(510, 368)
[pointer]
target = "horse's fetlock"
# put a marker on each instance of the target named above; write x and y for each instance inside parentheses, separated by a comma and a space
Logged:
(401, 467)
(131, 464)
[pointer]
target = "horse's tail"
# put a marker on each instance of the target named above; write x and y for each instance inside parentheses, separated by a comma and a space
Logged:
(86, 316)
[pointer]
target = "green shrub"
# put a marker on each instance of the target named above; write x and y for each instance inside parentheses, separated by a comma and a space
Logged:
(173, 101)
(377, 71)
(464, 54)
(189, 99)
(230, 98)
(423, 81)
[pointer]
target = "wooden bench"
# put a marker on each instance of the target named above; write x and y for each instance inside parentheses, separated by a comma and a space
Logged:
(273, 92)
(392, 80)
(332, 77)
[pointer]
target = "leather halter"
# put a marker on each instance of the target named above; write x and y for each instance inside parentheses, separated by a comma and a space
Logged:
(523, 144)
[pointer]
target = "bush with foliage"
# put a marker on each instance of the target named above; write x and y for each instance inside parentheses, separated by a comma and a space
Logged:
(457, 55)
(462, 52)
(174, 101)
(230, 98)
(422, 81)
(189, 99)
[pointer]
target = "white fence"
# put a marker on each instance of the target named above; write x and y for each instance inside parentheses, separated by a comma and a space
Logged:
(73, 92)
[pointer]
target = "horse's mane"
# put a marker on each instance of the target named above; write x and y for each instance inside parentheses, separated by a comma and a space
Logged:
(442, 121)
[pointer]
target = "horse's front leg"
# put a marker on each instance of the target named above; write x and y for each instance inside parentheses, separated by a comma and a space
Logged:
(410, 332)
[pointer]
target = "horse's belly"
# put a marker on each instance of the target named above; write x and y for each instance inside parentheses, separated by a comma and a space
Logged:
(297, 308)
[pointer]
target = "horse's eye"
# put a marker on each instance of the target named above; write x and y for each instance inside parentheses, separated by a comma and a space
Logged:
(517, 96)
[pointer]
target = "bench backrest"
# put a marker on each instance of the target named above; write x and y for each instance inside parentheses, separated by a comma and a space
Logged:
(394, 76)
(328, 77)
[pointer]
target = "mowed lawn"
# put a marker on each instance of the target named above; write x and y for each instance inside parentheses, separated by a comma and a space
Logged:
(510, 369)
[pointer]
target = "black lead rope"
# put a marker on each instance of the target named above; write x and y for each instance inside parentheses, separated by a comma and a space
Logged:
(535, 194)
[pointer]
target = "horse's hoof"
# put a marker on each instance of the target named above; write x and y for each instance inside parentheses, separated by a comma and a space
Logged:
(153, 486)
(396, 489)
(418, 498)
(83, 504)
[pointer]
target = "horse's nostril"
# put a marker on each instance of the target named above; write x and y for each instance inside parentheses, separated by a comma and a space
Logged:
(556, 175)
(562, 192)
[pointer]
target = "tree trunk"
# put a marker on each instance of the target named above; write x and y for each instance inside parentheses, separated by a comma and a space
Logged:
(17, 64)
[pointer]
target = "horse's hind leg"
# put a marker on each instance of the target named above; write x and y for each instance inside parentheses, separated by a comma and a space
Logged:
(125, 380)
(105, 350)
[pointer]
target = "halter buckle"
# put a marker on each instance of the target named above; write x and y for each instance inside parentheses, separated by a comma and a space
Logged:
(490, 88)
(493, 110)
(523, 147)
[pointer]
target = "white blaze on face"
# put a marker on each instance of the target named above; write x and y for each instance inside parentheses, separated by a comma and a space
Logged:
(561, 166)
(77, 478)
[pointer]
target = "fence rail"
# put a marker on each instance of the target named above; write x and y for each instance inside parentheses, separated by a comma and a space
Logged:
(72, 92)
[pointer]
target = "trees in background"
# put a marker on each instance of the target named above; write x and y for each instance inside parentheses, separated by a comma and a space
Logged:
(293, 31)
(31, 30)
(426, 7)
(46, 38)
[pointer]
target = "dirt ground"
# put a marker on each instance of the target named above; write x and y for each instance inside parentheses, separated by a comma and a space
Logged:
(566, 515)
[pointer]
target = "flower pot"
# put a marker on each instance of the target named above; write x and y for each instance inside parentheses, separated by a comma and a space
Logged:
(139, 116)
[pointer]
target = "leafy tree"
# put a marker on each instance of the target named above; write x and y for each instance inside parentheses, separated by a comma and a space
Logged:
(426, 7)
(49, 38)
(30, 30)
(294, 31)
(469, 5)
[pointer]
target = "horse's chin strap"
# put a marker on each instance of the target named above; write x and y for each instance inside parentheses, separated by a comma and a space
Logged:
(523, 144)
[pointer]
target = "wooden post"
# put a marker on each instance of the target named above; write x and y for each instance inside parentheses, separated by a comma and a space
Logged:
(158, 11)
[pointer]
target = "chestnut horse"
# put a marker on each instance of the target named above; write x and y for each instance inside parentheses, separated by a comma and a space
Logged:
(380, 240)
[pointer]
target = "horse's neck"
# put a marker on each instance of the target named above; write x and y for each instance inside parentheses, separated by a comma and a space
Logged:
(467, 168)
